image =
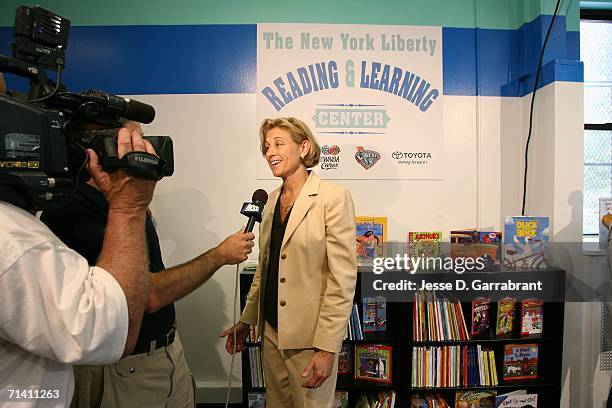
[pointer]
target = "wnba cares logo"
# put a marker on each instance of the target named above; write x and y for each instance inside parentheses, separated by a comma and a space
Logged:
(332, 150)
(367, 158)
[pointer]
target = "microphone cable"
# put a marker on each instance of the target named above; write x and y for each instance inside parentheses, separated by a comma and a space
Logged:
(234, 335)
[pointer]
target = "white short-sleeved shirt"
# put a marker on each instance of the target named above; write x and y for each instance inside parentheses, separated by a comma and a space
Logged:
(55, 311)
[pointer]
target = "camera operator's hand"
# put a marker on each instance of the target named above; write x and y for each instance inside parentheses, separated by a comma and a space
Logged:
(122, 191)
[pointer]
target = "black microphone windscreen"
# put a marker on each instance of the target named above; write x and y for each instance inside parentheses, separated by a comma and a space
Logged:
(140, 112)
(261, 196)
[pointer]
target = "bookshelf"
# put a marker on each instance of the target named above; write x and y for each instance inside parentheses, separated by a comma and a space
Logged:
(399, 335)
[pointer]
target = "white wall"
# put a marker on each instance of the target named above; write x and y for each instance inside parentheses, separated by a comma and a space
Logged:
(216, 146)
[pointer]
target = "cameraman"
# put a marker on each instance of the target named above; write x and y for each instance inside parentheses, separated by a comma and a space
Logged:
(56, 310)
(156, 373)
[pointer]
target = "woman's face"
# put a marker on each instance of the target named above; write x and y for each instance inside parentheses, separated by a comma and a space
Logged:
(282, 153)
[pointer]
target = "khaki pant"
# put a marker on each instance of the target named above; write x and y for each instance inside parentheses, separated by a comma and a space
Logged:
(283, 371)
(160, 378)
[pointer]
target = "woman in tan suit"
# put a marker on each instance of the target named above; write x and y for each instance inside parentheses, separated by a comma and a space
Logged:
(303, 289)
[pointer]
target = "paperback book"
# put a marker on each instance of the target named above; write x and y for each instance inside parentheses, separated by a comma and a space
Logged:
(341, 399)
(520, 362)
(374, 314)
(477, 244)
(257, 400)
(532, 317)
(517, 399)
(471, 399)
(505, 316)
(605, 208)
(371, 236)
(345, 359)
(373, 362)
(480, 316)
(526, 243)
(425, 244)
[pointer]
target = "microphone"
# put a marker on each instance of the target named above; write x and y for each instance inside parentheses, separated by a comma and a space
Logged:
(254, 209)
(127, 108)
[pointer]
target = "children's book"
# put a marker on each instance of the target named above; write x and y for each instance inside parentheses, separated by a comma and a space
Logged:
(480, 316)
(425, 244)
(374, 314)
(470, 399)
(373, 362)
(371, 236)
(477, 244)
(345, 359)
(526, 243)
(532, 317)
(520, 361)
(605, 208)
(505, 316)
(341, 399)
(257, 400)
(518, 399)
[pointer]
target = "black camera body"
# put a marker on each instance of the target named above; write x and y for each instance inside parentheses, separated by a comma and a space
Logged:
(42, 147)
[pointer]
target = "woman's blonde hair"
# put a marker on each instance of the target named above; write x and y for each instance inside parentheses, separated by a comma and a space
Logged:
(299, 132)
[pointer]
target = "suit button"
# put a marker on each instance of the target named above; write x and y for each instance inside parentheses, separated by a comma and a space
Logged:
(284, 256)
(283, 303)
(283, 280)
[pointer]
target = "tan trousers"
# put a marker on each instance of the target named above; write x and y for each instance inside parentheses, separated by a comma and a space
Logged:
(283, 372)
(159, 378)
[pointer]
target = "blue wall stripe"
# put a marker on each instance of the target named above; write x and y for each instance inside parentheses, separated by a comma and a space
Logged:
(192, 59)
(210, 59)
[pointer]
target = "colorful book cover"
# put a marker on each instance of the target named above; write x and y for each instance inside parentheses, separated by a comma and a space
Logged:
(257, 400)
(345, 359)
(371, 236)
(605, 208)
(374, 314)
(520, 361)
(526, 243)
(532, 317)
(472, 399)
(517, 401)
(341, 399)
(425, 244)
(505, 316)
(477, 244)
(373, 362)
(480, 316)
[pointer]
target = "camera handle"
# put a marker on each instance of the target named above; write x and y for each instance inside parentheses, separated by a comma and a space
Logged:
(138, 164)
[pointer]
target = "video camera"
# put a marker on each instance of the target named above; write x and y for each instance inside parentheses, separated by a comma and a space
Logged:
(43, 136)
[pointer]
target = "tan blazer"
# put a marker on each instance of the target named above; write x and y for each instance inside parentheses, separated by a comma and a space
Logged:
(317, 268)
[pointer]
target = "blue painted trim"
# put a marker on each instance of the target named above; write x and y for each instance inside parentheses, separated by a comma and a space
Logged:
(211, 59)
(133, 60)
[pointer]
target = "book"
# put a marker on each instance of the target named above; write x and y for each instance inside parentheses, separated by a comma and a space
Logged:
(505, 316)
(424, 244)
(517, 400)
(256, 400)
(526, 243)
(472, 399)
(520, 362)
(373, 362)
(371, 236)
(605, 208)
(374, 314)
(532, 317)
(477, 244)
(428, 401)
(345, 359)
(480, 316)
(341, 399)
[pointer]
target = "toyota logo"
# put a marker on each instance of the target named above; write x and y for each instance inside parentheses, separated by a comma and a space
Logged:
(397, 155)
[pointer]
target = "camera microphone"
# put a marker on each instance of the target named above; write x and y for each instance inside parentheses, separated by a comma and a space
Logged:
(254, 209)
(125, 107)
